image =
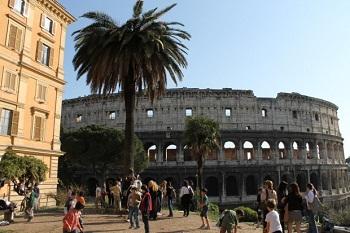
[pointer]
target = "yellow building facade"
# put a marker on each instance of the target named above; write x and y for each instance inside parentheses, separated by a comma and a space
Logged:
(32, 43)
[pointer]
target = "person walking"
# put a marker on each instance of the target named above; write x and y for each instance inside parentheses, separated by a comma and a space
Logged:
(153, 189)
(204, 205)
(117, 191)
(70, 203)
(185, 198)
(272, 220)
(36, 191)
(134, 201)
(310, 196)
(282, 193)
(71, 223)
(171, 195)
(145, 206)
(294, 202)
(98, 197)
(266, 194)
(30, 202)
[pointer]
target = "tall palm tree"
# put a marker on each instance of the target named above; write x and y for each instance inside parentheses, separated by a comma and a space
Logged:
(201, 137)
(132, 58)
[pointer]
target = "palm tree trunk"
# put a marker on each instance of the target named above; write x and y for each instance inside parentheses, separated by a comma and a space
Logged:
(129, 98)
(200, 162)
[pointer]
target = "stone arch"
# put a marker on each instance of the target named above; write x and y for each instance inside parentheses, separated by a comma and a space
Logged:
(251, 185)
(248, 150)
(232, 188)
(151, 149)
(335, 151)
(302, 181)
(266, 150)
(230, 150)
(282, 150)
(212, 184)
(325, 181)
(314, 180)
(308, 150)
(296, 150)
(334, 180)
(329, 150)
(187, 154)
(170, 152)
(91, 184)
(320, 150)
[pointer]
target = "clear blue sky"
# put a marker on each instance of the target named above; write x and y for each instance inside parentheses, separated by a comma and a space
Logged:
(266, 46)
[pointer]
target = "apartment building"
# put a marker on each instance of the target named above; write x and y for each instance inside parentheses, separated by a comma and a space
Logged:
(32, 43)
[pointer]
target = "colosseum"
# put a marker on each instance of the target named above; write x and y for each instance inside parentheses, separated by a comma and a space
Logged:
(292, 137)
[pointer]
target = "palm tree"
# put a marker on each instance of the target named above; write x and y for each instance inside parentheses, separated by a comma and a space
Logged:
(133, 58)
(201, 137)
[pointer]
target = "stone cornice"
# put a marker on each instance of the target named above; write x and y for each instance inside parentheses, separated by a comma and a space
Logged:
(55, 7)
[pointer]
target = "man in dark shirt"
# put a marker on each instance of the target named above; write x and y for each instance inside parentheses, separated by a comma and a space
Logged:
(145, 207)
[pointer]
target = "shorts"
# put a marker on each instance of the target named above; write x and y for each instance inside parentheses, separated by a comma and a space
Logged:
(204, 212)
(295, 216)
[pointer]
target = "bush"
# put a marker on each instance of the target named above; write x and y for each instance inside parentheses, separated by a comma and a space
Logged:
(250, 215)
(213, 210)
(342, 218)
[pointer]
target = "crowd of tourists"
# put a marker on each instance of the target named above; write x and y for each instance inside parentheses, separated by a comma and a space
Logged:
(284, 210)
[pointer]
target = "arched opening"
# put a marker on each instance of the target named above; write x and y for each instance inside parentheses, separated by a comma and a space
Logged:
(318, 151)
(212, 155)
(212, 184)
(266, 150)
(325, 182)
(152, 153)
(231, 186)
(314, 180)
(302, 182)
(334, 180)
(329, 151)
(230, 151)
(335, 151)
(187, 154)
(251, 185)
(248, 149)
(282, 152)
(296, 151)
(308, 151)
(91, 184)
(170, 153)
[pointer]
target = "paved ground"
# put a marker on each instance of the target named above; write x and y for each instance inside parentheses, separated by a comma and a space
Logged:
(52, 223)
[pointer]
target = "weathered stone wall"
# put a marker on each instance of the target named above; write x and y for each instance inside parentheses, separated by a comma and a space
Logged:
(291, 137)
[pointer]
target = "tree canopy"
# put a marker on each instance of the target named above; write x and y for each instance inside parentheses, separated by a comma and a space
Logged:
(26, 169)
(98, 149)
(132, 57)
(201, 137)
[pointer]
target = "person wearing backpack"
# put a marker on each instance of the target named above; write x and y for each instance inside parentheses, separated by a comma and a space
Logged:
(311, 203)
(146, 207)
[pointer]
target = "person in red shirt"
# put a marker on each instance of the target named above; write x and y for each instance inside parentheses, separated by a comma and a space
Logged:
(145, 206)
(71, 222)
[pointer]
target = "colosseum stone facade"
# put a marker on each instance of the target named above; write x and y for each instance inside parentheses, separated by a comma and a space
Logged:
(291, 137)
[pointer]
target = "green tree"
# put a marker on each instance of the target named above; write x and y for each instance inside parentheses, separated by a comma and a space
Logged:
(347, 160)
(97, 149)
(133, 57)
(201, 136)
(26, 169)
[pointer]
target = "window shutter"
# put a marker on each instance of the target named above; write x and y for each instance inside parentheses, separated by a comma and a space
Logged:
(14, 125)
(7, 79)
(12, 36)
(37, 128)
(18, 39)
(44, 91)
(26, 9)
(39, 51)
(42, 24)
(13, 78)
(42, 126)
(53, 27)
(51, 57)
(11, 3)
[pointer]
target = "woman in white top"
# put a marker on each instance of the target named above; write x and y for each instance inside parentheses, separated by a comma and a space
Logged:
(273, 224)
(310, 197)
(185, 198)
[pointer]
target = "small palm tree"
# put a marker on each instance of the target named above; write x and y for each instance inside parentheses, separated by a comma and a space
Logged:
(201, 136)
(132, 58)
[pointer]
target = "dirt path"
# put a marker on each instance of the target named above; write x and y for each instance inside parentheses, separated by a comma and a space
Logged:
(52, 223)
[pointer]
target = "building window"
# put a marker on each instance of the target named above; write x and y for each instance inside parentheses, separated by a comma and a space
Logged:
(188, 112)
(38, 128)
(281, 128)
(263, 112)
(47, 24)
(317, 117)
(45, 54)
(41, 93)
(150, 113)
(15, 38)
(295, 114)
(112, 115)
(332, 120)
(20, 6)
(78, 118)
(228, 112)
(5, 122)
(9, 81)
(247, 127)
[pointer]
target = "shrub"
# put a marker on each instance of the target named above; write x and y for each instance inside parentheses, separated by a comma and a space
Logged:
(341, 218)
(250, 215)
(214, 213)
